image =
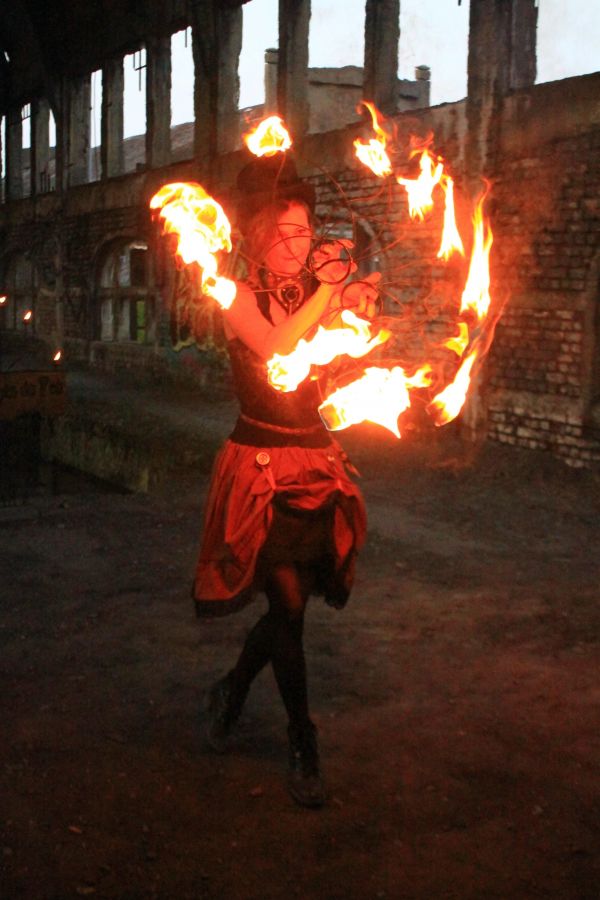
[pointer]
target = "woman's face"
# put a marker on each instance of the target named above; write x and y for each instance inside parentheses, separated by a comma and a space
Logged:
(290, 246)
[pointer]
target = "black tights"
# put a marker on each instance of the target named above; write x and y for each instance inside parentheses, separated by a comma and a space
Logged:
(277, 638)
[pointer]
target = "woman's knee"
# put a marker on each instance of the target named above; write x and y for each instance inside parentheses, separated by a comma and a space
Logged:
(285, 593)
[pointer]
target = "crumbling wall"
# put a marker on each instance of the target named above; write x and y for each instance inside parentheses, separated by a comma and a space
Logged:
(539, 385)
(536, 389)
(539, 382)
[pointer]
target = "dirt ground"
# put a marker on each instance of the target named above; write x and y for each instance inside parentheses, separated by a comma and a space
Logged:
(457, 697)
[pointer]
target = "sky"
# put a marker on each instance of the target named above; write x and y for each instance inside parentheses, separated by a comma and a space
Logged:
(432, 32)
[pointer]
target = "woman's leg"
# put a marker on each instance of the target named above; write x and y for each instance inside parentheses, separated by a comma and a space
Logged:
(276, 637)
(255, 654)
(287, 602)
(226, 697)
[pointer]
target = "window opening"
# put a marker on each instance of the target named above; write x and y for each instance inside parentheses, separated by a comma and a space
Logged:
(48, 178)
(95, 125)
(182, 95)
(26, 126)
(336, 54)
(127, 308)
(435, 35)
(51, 130)
(134, 109)
(2, 158)
(26, 148)
(567, 39)
(337, 34)
(182, 78)
(259, 32)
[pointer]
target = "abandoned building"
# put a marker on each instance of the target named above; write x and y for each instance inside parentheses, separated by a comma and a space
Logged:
(456, 694)
(79, 250)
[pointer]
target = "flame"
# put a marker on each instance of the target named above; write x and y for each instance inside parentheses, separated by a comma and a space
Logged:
(476, 295)
(476, 298)
(57, 356)
(268, 138)
(355, 340)
(373, 154)
(27, 316)
(3, 299)
(379, 396)
(451, 239)
(446, 405)
(459, 342)
(202, 230)
(420, 190)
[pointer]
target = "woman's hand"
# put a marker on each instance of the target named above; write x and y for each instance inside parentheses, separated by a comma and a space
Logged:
(332, 262)
(362, 297)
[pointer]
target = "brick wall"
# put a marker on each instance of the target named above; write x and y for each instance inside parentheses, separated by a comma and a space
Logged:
(537, 386)
(540, 390)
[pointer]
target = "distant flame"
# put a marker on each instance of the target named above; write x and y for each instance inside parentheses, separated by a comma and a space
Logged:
(379, 396)
(476, 295)
(373, 154)
(57, 356)
(355, 340)
(451, 239)
(3, 299)
(268, 138)
(202, 229)
(420, 190)
(27, 316)
(448, 403)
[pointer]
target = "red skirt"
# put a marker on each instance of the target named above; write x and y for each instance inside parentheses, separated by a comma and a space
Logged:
(272, 504)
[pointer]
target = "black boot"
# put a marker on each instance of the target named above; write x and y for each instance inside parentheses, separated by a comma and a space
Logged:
(304, 777)
(221, 713)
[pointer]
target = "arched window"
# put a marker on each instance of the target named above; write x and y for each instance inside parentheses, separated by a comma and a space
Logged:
(126, 298)
(19, 288)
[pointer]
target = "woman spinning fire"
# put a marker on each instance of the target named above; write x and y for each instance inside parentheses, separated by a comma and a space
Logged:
(283, 516)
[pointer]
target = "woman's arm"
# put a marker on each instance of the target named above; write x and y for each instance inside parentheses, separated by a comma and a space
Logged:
(247, 323)
(244, 319)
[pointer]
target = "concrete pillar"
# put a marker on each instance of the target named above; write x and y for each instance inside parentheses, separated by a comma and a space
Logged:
(111, 152)
(61, 117)
(292, 70)
(40, 147)
(2, 167)
(158, 102)
(229, 39)
(216, 44)
(382, 34)
(502, 40)
(79, 131)
(271, 64)
(14, 155)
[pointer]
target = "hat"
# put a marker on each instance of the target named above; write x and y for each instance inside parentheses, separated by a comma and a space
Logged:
(267, 179)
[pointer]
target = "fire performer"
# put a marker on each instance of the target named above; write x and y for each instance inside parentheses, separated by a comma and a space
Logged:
(283, 515)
